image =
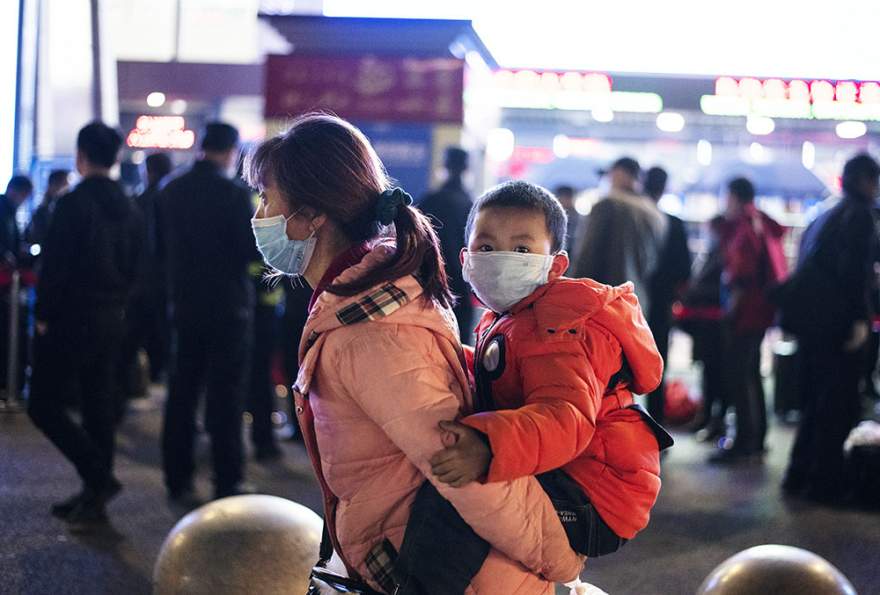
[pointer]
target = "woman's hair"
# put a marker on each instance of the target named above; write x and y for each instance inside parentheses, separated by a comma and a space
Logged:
(325, 163)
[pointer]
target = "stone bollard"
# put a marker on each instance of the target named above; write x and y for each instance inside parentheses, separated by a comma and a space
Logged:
(776, 570)
(241, 544)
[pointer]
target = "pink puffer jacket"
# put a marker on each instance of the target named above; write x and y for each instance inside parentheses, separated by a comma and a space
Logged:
(378, 381)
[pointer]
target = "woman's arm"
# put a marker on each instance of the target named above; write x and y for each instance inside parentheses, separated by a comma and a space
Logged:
(402, 382)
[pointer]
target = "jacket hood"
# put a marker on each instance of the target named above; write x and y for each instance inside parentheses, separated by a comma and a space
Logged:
(328, 312)
(108, 195)
(568, 303)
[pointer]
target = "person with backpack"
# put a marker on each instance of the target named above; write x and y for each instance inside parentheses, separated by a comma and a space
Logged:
(754, 262)
(827, 305)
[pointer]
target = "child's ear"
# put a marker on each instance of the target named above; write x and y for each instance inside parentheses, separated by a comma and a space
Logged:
(559, 266)
(461, 255)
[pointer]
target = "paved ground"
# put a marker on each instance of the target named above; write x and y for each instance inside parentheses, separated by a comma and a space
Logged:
(704, 515)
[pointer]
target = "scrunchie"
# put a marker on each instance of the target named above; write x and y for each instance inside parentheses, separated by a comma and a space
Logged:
(388, 203)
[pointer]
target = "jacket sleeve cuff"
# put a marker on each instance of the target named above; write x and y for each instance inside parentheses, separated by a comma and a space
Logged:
(501, 469)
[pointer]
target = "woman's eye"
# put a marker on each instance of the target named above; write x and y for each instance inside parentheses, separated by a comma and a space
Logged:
(485, 248)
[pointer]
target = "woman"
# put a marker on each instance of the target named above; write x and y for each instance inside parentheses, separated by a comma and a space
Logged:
(380, 361)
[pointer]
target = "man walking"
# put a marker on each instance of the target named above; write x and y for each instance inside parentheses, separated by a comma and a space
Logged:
(90, 262)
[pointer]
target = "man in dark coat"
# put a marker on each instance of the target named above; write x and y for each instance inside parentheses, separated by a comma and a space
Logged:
(666, 282)
(448, 208)
(90, 262)
(206, 219)
(842, 243)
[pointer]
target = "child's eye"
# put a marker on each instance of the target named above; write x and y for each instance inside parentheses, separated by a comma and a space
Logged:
(522, 249)
(485, 248)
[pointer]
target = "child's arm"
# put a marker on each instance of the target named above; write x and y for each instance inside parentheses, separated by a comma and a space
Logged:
(557, 422)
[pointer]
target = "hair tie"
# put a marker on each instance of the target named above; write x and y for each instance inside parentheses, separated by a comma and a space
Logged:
(389, 201)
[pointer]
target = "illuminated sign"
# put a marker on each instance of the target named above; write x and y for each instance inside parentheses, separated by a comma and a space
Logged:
(161, 132)
(571, 90)
(775, 98)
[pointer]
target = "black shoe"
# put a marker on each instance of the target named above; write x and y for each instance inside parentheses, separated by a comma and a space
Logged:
(110, 490)
(185, 498)
(89, 512)
(240, 489)
(710, 433)
(734, 456)
(793, 485)
(268, 453)
(63, 509)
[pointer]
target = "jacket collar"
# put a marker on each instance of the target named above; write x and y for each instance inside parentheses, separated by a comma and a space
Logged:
(333, 311)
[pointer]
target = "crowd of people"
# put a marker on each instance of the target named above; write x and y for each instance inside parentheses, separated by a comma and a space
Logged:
(418, 440)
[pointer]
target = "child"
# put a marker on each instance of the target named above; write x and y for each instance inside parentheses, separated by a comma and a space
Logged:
(556, 364)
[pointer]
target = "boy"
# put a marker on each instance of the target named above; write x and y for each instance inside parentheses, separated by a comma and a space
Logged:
(556, 364)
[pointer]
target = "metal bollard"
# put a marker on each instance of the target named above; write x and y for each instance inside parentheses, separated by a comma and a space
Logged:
(12, 361)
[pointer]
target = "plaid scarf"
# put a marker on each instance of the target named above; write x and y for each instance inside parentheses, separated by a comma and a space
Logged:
(375, 305)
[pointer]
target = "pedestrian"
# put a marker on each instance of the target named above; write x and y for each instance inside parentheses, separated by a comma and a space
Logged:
(835, 272)
(151, 314)
(448, 208)
(208, 249)
(666, 283)
(90, 262)
(38, 228)
(12, 258)
(381, 366)
(565, 195)
(19, 190)
(556, 408)
(261, 397)
(623, 236)
(754, 262)
(701, 316)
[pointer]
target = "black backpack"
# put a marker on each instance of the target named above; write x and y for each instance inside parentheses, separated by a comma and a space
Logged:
(811, 302)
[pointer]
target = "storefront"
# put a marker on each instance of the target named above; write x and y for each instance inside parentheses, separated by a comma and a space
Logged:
(790, 137)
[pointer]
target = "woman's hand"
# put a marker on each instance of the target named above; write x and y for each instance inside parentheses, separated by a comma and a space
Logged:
(467, 460)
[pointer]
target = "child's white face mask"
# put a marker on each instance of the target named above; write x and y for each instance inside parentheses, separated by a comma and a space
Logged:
(501, 279)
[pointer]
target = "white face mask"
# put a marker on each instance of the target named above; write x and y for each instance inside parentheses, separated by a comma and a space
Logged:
(501, 279)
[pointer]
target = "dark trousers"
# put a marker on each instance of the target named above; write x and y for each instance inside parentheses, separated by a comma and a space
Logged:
(831, 409)
(660, 325)
(441, 554)
(742, 353)
(5, 330)
(210, 356)
(261, 396)
(79, 357)
(148, 329)
(709, 349)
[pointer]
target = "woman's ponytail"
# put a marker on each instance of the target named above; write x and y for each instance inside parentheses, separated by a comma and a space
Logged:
(417, 252)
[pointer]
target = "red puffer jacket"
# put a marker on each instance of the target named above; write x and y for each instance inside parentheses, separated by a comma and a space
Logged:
(545, 368)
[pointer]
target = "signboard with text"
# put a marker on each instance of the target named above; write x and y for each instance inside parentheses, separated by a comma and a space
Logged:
(371, 88)
(776, 98)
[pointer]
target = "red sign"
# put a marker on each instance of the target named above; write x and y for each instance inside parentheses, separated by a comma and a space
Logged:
(161, 132)
(389, 89)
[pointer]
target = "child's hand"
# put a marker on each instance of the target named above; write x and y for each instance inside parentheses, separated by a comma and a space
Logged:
(465, 461)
